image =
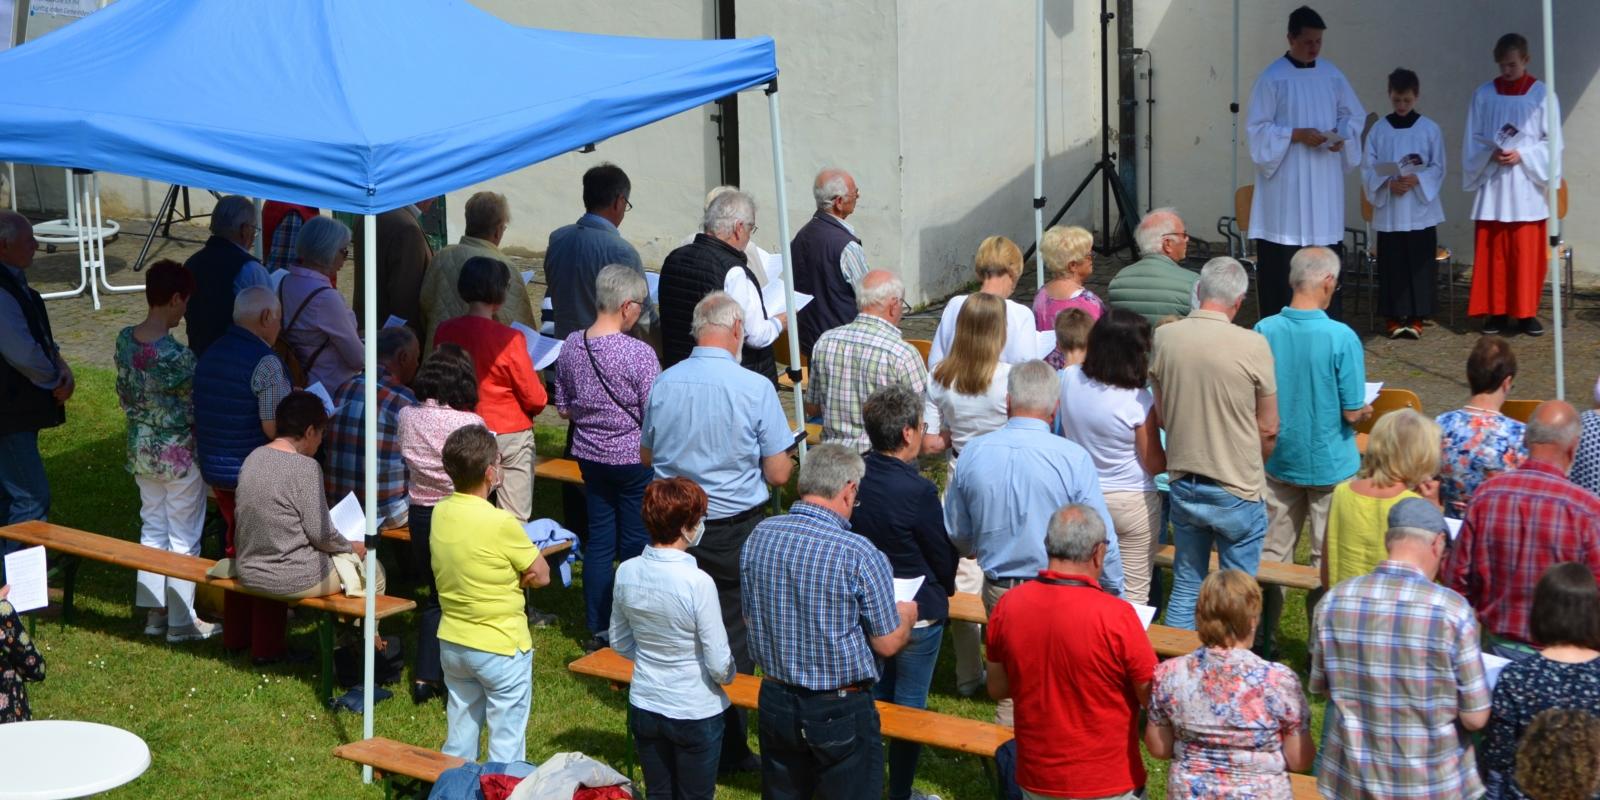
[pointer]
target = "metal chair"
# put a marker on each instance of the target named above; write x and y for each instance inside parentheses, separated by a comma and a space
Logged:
(1235, 230)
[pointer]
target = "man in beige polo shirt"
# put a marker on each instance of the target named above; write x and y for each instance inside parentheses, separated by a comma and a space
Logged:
(1215, 386)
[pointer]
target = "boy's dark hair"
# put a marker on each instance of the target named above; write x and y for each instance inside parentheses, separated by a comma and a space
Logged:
(1404, 80)
(1509, 42)
(1302, 18)
(1072, 330)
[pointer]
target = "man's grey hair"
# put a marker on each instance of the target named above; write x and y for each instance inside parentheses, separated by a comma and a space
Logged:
(249, 304)
(1074, 531)
(718, 191)
(320, 241)
(1155, 227)
(1310, 266)
(828, 468)
(891, 289)
(1394, 536)
(486, 211)
(13, 224)
(1222, 280)
(1540, 431)
(618, 284)
(715, 310)
(887, 413)
(728, 209)
(830, 185)
(393, 340)
(1033, 386)
(232, 213)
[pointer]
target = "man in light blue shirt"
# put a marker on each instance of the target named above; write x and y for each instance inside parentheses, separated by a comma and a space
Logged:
(578, 252)
(1008, 483)
(1321, 374)
(720, 425)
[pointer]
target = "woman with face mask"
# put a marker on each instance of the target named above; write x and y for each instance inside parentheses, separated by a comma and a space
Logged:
(665, 617)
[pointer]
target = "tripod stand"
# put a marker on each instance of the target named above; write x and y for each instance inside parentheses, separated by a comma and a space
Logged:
(1111, 187)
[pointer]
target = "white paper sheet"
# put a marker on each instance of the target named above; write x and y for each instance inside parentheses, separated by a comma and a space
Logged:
(1333, 138)
(527, 277)
(348, 518)
(905, 589)
(1453, 526)
(653, 281)
(1492, 664)
(1372, 391)
(547, 305)
(776, 300)
(25, 573)
(1146, 613)
(276, 277)
(393, 322)
(1046, 343)
(772, 264)
(543, 350)
(322, 392)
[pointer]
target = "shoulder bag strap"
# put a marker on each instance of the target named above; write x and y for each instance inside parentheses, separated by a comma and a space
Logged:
(601, 376)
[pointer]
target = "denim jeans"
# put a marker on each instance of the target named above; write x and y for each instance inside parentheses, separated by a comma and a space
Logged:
(616, 531)
(818, 744)
(486, 688)
(905, 682)
(678, 756)
(24, 488)
(1205, 514)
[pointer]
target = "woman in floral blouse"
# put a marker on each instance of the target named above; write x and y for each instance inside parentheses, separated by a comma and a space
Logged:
(20, 663)
(155, 385)
(1232, 723)
(1478, 441)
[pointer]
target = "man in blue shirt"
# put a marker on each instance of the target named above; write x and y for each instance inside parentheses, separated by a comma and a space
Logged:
(1321, 376)
(578, 252)
(1009, 481)
(822, 608)
(720, 425)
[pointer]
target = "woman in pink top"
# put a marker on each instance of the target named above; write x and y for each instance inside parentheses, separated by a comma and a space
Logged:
(447, 392)
(1068, 262)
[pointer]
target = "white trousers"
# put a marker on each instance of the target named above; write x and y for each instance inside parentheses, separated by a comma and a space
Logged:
(173, 514)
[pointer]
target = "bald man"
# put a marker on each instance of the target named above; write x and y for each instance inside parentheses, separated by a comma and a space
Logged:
(35, 382)
(828, 259)
(854, 360)
(1518, 525)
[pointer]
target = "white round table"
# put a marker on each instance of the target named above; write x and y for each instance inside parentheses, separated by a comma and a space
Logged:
(48, 759)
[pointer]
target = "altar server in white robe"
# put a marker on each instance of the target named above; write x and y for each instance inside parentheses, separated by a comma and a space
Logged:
(1506, 160)
(1304, 123)
(1402, 171)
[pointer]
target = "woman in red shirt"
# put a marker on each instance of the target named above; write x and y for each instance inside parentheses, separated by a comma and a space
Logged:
(509, 392)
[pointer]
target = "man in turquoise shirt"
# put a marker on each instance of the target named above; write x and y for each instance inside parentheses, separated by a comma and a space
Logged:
(1321, 374)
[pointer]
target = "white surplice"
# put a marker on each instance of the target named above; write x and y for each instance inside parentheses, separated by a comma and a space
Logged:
(1420, 208)
(1299, 196)
(1508, 193)
(1022, 338)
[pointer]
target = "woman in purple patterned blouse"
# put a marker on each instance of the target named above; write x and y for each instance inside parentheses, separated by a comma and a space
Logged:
(603, 380)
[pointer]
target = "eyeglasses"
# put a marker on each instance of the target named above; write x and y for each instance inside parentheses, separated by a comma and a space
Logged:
(1183, 234)
(629, 203)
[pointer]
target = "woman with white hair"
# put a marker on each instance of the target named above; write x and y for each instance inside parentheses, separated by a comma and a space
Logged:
(318, 327)
(1068, 261)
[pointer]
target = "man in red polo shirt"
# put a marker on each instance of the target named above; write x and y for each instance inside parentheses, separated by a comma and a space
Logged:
(1078, 663)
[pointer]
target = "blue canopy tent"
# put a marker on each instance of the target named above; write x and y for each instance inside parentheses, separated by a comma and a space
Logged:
(355, 105)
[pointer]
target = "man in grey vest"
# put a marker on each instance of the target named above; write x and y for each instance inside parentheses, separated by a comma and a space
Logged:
(828, 259)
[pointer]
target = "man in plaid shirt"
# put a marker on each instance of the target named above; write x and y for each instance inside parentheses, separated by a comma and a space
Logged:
(1519, 524)
(342, 446)
(852, 361)
(1397, 657)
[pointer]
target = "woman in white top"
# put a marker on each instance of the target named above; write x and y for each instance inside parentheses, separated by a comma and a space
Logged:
(1106, 409)
(967, 393)
(998, 265)
(666, 618)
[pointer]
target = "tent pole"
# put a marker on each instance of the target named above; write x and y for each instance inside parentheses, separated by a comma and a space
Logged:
(1233, 186)
(259, 246)
(793, 327)
(369, 399)
(1552, 126)
(1038, 139)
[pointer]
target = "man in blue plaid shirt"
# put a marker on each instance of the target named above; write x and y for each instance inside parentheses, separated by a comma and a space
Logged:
(342, 446)
(820, 603)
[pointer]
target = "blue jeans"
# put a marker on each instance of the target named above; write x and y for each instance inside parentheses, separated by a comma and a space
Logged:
(678, 756)
(905, 682)
(818, 744)
(616, 531)
(24, 488)
(486, 688)
(1205, 514)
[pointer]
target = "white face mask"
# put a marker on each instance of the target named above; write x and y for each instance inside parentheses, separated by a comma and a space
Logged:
(694, 534)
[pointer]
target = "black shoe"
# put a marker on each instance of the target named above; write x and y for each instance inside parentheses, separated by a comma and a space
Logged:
(541, 619)
(423, 691)
(596, 642)
(1531, 327)
(288, 657)
(1495, 323)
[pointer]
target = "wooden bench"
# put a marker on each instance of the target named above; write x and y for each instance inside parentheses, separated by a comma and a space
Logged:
(1289, 576)
(1167, 642)
(391, 760)
(561, 470)
(132, 555)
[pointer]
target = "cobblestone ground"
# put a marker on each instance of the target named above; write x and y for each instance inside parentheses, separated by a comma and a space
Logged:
(1433, 367)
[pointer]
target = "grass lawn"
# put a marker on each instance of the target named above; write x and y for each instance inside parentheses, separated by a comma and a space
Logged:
(218, 727)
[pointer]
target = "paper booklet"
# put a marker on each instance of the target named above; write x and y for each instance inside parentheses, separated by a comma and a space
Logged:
(25, 572)
(776, 300)
(542, 350)
(322, 394)
(393, 322)
(1410, 164)
(348, 518)
(905, 589)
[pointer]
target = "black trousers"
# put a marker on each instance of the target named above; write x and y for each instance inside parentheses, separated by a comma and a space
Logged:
(427, 667)
(1408, 275)
(718, 556)
(826, 745)
(1272, 277)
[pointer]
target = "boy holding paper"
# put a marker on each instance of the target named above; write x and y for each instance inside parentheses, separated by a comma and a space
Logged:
(1506, 160)
(1401, 171)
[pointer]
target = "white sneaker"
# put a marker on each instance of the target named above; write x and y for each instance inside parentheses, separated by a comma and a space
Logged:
(193, 633)
(155, 622)
(916, 795)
